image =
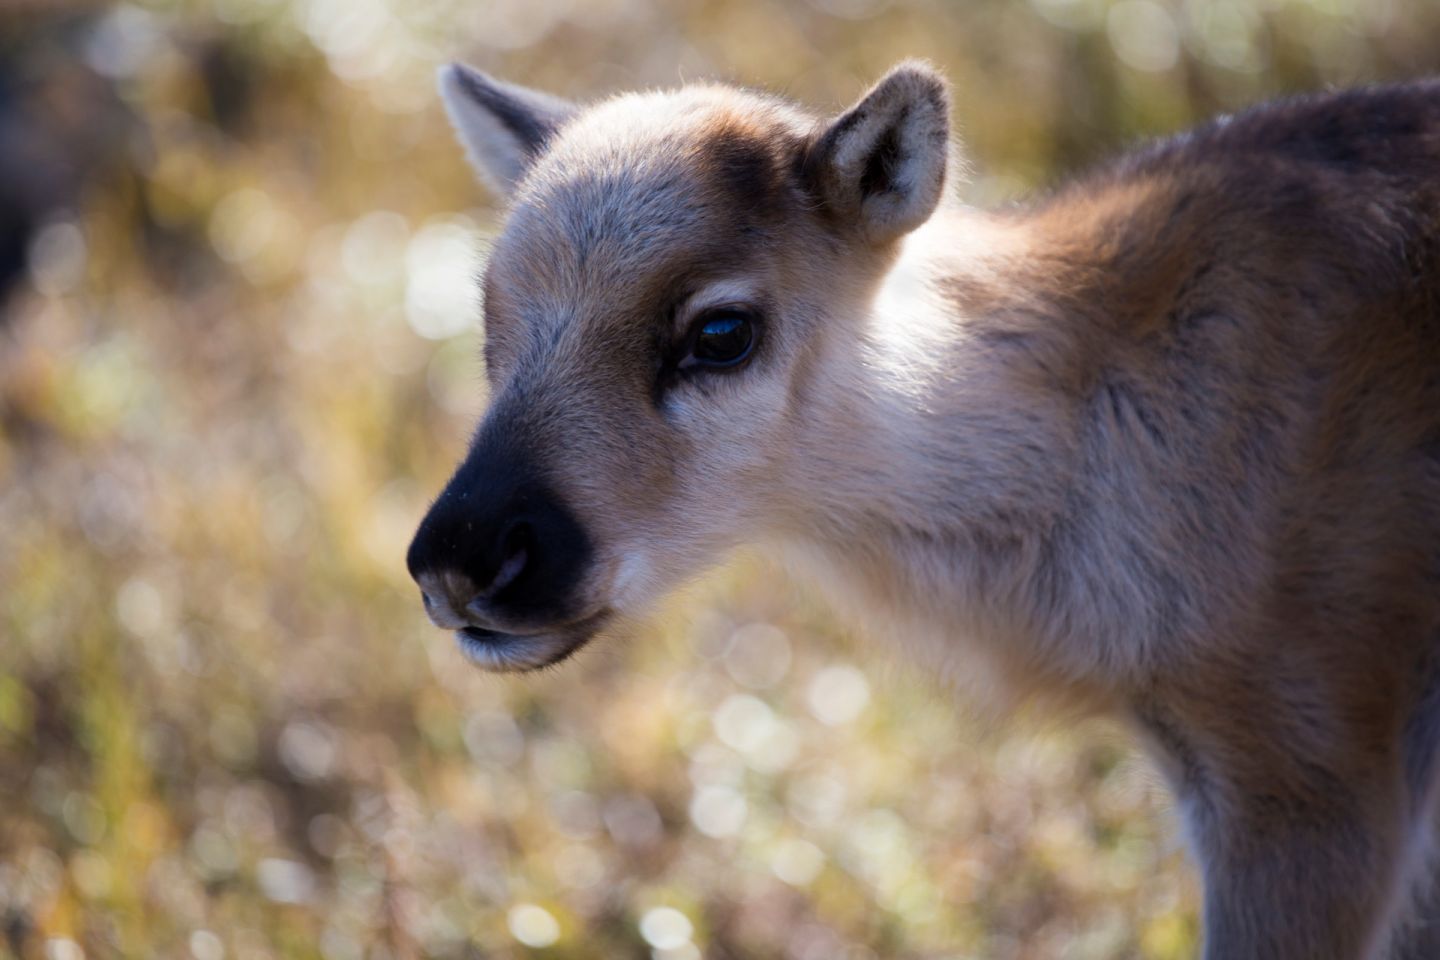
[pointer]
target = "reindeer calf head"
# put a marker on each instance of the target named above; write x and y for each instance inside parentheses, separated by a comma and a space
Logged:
(675, 271)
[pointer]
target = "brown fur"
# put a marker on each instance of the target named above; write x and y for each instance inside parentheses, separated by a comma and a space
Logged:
(1166, 442)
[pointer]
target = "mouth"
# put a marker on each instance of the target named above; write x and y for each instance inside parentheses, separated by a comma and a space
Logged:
(500, 652)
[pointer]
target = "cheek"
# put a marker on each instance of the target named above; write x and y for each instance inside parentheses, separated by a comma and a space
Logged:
(661, 531)
(732, 440)
(738, 421)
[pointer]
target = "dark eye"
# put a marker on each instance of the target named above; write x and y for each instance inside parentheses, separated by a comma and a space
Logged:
(722, 338)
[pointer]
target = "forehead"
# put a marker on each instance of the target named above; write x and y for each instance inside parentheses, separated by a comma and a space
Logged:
(644, 190)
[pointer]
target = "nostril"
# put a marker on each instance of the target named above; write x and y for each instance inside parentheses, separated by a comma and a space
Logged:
(491, 555)
(515, 550)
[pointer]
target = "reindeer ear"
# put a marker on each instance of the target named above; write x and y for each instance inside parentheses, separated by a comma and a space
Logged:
(503, 127)
(881, 164)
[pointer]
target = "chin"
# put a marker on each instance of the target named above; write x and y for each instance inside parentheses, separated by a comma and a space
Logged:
(499, 652)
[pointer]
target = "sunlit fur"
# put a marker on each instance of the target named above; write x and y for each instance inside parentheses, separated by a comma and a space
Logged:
(1165, 442)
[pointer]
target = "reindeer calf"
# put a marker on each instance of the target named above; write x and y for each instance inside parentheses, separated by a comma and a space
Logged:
(1165, 442)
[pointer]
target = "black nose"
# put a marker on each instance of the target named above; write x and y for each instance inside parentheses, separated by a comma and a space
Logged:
(498, 548)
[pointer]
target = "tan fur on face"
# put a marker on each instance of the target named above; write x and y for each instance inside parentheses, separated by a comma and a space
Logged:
(610, 237)
(1166, 442)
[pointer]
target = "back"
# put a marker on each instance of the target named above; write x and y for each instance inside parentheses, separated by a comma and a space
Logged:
(1260, 322)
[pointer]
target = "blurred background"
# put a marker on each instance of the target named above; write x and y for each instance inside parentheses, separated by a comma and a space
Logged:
(238, 354)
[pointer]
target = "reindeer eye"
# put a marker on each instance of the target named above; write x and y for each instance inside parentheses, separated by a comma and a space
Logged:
(722, 338)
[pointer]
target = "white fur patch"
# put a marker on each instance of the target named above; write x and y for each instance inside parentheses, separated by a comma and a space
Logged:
(632, 586)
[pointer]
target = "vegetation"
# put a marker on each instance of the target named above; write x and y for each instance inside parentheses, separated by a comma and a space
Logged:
(242, 355)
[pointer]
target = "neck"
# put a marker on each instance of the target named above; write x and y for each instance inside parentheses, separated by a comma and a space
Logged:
(955, 501)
